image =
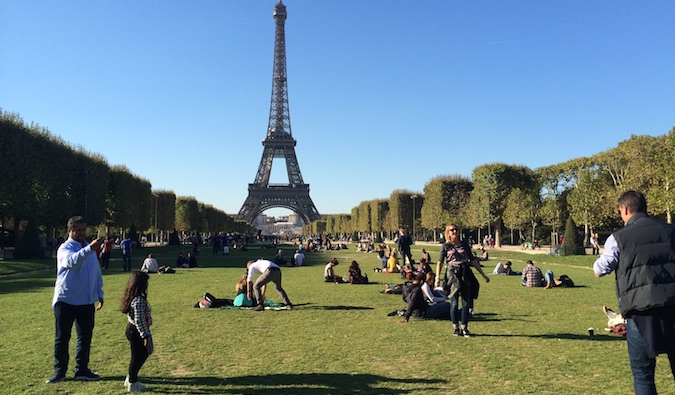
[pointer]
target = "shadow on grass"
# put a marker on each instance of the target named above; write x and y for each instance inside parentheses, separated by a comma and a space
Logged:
(309, 306)
(575, 336)
(294, 384)
(565, 336)
(571, 288)
(493, 317)
(27, 281)
(486, 317)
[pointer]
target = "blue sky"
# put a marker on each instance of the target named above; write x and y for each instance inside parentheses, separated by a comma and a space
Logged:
(383, 95)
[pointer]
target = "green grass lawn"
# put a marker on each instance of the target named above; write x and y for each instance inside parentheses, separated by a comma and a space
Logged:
(338, 339)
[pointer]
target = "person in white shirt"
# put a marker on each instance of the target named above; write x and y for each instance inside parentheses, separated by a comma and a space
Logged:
(329, 271)
(299, 258)
(150, 264)
(269, 272)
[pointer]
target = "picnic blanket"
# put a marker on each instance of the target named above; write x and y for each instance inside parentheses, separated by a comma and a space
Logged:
(269, 305)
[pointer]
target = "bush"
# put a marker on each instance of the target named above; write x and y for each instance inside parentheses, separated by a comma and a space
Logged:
(133, 235)
(29, 245)
(572, 243)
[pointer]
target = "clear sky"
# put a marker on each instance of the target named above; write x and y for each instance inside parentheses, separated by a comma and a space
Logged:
(383, 95)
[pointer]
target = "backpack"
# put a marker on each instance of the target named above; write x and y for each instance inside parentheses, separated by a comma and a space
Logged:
(566, 281)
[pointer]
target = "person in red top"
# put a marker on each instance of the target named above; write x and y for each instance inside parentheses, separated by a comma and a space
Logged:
(106, 250)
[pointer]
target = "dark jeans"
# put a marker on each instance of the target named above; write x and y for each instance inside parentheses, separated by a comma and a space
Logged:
(642, 366)
(457, 314)
(407, 254)
(439, 311)
(640, 363)
(83, 317)
(139, 353)
(126, 262)
(105, 260)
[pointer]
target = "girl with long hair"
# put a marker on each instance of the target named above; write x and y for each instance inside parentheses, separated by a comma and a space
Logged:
(135, 305)
(355, 276)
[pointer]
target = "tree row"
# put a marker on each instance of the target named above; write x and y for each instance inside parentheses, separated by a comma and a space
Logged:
(46, 181)
(535, 203)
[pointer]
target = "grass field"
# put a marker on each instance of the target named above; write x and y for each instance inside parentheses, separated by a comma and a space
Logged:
(338, 339)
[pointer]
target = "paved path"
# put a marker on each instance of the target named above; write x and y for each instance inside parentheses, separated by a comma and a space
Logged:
(545, 249)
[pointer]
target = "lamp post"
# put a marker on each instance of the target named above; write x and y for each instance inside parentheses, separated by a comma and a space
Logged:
(488, 178)
(488, 212)
(413, 197)
(156, 204)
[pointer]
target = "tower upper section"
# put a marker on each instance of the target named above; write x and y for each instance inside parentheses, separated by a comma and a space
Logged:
(279, 127)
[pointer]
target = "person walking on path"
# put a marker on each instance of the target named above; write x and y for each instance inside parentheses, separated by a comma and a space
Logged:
(404, 243)
(125, 245)
(642, 254)
(269, 272)
(77, 290)
(106, 250)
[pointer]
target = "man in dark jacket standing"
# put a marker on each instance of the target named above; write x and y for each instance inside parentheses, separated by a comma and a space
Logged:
(404, 243)
(642, 254)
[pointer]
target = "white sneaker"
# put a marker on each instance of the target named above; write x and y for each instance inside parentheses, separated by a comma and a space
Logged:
(127, 384)
(136, 387)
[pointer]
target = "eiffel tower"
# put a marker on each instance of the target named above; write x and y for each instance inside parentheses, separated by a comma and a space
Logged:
(279, 143)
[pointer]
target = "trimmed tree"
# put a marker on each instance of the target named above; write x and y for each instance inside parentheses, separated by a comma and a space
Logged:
(572, 243)
(29, 246)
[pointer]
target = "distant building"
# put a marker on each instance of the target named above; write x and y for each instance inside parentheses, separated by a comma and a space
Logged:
(284, 225)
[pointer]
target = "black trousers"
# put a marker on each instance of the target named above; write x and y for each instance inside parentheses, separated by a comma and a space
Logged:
(139, 353)
(83, 317)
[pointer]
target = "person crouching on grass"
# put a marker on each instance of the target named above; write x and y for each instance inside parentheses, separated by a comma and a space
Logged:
(135, 305)
(269, 272)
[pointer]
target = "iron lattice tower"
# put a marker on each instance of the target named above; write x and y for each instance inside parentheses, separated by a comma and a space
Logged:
(279, 143)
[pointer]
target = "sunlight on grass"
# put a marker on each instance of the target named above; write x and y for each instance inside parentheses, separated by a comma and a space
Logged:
(338, 339)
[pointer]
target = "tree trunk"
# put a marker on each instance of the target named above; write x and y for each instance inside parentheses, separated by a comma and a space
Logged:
(498, 232)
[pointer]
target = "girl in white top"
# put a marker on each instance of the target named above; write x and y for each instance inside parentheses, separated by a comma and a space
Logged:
(435, 295)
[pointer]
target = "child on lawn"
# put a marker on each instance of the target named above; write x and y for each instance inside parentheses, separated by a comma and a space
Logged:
(135, 305)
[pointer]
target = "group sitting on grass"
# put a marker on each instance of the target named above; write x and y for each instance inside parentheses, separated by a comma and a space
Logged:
(422, 301)
(190, 261)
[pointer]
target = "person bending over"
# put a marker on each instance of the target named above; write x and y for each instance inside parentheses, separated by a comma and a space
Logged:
(269, 272)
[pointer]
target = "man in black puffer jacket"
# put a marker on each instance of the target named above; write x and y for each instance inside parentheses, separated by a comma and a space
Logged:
(642, 254)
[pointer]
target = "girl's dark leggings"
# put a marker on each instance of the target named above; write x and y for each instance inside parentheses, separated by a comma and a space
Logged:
(139, 353)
